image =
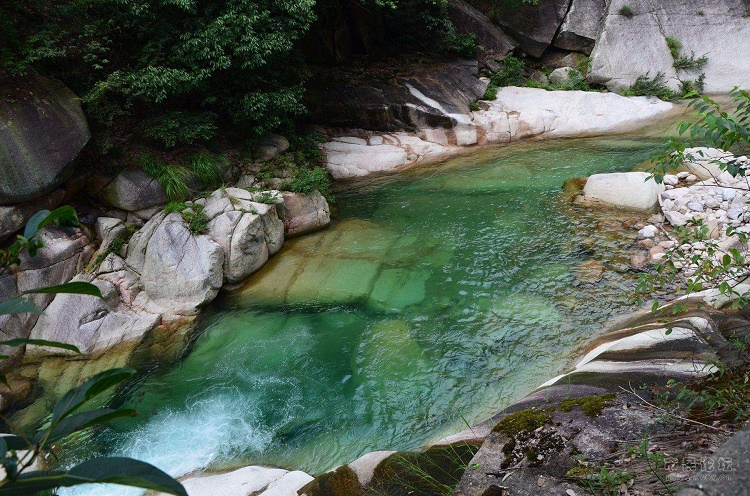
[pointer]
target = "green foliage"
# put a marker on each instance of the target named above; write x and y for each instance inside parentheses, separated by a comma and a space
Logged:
(172, 178)
(434, 472)
(656, 86)
(306, 181)
(490, 93)
(627, 11)
(674, 46)
(607, 482)
(510, 73)
(207, 169)
(180, 128)
(114, 247)
(474, 106)
(590, 405)
(266, 197)
(192, 213)
(684, 63)
(18, 452)
(182, 66)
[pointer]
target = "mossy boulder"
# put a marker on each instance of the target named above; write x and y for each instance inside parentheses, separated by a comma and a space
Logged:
(42, 129)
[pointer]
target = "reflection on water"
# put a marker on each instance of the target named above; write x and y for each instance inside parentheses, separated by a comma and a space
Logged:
(436, 298)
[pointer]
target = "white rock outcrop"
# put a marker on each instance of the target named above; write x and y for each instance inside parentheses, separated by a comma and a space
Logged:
(628, 47)
(305, 213)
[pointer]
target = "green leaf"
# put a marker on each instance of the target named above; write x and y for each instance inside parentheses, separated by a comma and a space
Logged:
(79, 287)
(13, 442)
(115, 470)
(79, 422)
(33, 225)
(76, 397)
(40, 342)
(18, 304)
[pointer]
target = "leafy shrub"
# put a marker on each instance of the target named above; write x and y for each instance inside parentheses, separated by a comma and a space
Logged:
(172, 178)
(656, 86)
(490, 93)
(180, 128)
(683, 63)
(308, 180)
(511, 72)
(627, 11)
(688, 86)
(463, 45)
(193, 215)
(474, 106)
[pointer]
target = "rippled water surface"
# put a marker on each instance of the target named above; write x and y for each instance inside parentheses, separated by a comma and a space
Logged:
(437, 297)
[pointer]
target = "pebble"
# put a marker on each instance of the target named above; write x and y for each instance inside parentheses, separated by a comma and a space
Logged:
(671, 180)
(682, 175)
(648, 232)
(695, 206)
(728, 193)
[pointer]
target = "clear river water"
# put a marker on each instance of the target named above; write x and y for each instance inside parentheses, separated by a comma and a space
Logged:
(437, 297)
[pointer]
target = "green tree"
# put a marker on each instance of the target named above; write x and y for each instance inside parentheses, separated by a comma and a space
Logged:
(190, 65)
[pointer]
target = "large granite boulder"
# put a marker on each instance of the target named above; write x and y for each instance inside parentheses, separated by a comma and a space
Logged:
(628, 190)
(533, 25)
(305, 213)
(133, 190)
(14, 217)
(631, 46)
(580, 27)
(181, 271)
(42, 129)
(247, 231)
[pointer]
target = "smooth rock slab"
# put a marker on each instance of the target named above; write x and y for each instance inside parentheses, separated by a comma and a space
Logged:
(346, 160)
(247, 481)
(628, 190)
(305, 213)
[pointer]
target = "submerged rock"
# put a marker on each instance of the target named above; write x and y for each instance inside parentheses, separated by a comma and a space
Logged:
(305, 213)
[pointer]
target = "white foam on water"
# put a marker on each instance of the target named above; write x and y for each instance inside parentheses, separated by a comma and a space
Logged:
(208, 431)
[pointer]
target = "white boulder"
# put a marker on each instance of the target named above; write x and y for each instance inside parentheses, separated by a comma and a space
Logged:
(628, 190)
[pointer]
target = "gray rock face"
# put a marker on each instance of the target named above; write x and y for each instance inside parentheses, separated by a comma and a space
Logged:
(494, 43)
(181, 271)
(14, 217)
(631, 47)
(533, 25)
(133, 190)
(305, 213)
(425, 96)
(580, 27)
(42, 130)
(64, 255)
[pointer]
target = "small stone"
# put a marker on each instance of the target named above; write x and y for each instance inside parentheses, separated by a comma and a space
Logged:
(682, 175)
(638, 260)
(692, 178)
(734, 213)
(695, 206)
(699, 246)
(712, 203)
(671, 180)
(728, 193)
(667, 244)
(677, 219)
(648, 232)
(646, 243)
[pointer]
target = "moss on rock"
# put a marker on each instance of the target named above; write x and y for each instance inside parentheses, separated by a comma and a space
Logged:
(340, 482)
(525, 420)
(590, 405)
